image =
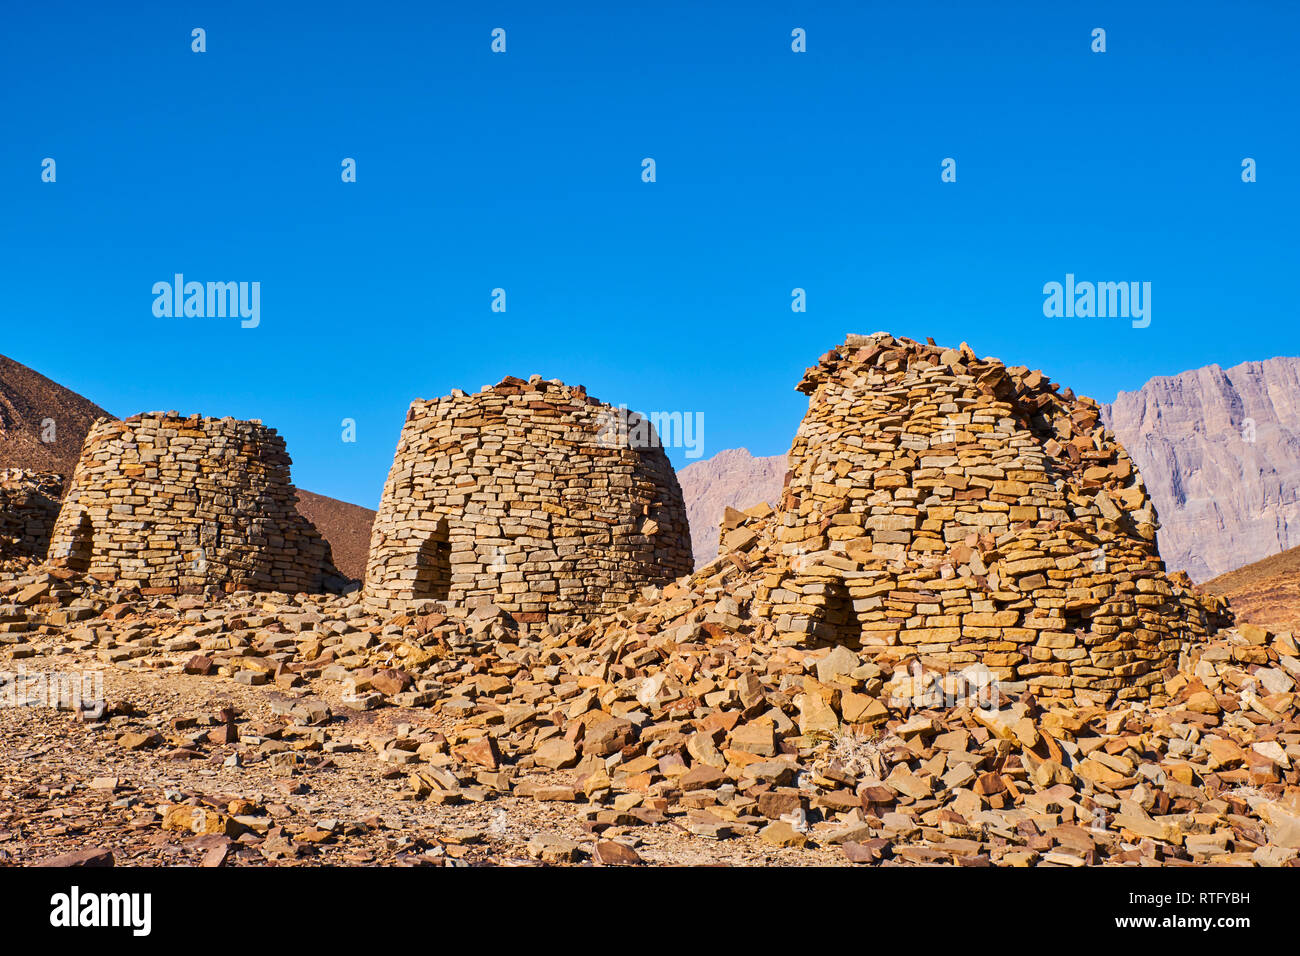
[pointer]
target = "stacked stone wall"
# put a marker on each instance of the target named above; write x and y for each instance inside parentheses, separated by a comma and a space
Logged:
(531, 496)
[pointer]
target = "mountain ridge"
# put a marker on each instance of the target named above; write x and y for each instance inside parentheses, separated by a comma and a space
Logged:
(1219, 450)
(733, 478)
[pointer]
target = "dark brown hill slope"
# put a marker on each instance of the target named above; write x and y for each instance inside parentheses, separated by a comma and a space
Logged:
(345, 526)
(34, 410)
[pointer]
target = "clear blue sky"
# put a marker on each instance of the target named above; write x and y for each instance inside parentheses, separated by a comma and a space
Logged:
(523, 171)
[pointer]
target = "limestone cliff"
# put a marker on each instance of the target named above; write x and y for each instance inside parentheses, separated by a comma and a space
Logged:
(1220, 452)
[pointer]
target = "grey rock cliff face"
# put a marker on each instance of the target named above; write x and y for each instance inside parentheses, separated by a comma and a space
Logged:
(732, 478)
(1219, 451)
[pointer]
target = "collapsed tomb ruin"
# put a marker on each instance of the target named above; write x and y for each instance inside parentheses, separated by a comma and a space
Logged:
(531, 496)
(29, 505)
(173, 505)
(946, 506)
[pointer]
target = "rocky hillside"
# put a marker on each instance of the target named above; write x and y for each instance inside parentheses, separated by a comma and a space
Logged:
(345, 526)
(1220, 452)
(730, 479)
(29, 402)
(1266, 593)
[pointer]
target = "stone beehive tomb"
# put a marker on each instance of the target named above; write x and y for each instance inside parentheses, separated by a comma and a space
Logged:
(967, 512)
(171, 505)
(532, 496)
(29, 503)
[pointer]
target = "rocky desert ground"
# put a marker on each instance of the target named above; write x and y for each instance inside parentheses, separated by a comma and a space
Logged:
(298, 730)
(951, 642)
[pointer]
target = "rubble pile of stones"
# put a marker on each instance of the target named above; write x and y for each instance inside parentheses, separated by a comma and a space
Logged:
(972, 513)
(684, 711)
(29, 503)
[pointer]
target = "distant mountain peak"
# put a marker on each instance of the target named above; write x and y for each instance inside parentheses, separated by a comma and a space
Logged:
(733, 478)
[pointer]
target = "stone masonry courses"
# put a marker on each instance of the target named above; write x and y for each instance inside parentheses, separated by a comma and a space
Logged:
(531, 496)
(173, 504)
